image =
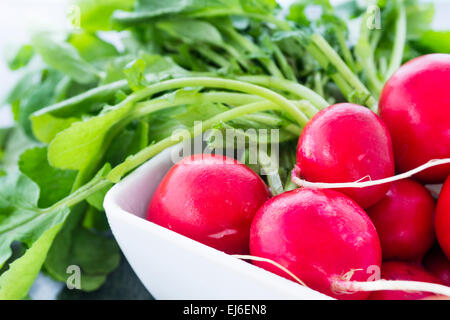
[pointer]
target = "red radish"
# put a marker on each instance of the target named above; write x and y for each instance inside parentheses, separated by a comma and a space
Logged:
(415, 105)
(347, 143)
(442, 219)
(319, 236)
(403, 271)
(404, 221)
(211, 199)
(438, 264)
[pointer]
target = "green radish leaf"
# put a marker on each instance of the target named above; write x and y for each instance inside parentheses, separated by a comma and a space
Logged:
(146, 10)
(259, 6)
(96, 199)
(96, 14)
(62, 56)
(77, 147)
(81, 104)
(199, 112)
(16, 143)
(128, 142)
(134, 72)
(158, 68)
(122, 284)
(114, 69)
(20, 219)
(36, 90)
(95, 254)
(46, 127)
(419, 19)
(54, 183)
(22, 57)
(18, 279)
(5, 133)
(91, 47)
(192, 31)
(162, 7)
(435, 42)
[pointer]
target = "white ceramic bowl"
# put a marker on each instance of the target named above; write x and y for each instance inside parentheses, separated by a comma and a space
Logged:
(172, 266)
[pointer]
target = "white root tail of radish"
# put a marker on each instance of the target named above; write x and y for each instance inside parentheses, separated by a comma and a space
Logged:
(349, 287)
(343, 286)
(363, 184)
(276, 264)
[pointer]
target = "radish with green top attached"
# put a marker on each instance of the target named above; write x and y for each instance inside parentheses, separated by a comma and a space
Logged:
(442, 219)
(415, 105)
(319, 236)
(347, 143)
(404, 221)
(211, 199)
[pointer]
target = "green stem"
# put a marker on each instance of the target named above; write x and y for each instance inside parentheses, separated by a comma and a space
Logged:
(372, 76)
(145, 154)
(343, 69)
(249, 46)
(399, 42)
(365, 54)
(274, 121)
(247, 64)
(285, 67)
(318, 84)
(80, 194)
(227, 84)
(288, 86)
(236, 99)
(348, 57)
(338, 79)
(283, 25)
(330, 54)
(289, 186)
(273, 177)
(213, 56)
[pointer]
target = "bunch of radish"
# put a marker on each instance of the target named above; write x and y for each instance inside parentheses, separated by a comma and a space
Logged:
(353, 220)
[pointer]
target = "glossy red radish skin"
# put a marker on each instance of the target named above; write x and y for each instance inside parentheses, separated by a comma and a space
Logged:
(347, 143)
(438, 264)
(404, 221)
(211, 199)
(414, 104)
(395, 270)
(319, 235)
(442, 219)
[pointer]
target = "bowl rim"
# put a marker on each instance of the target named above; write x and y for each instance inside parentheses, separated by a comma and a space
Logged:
(115, 212)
